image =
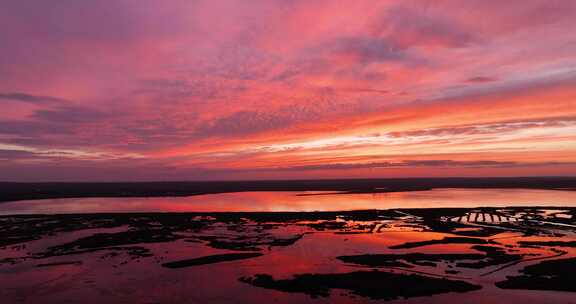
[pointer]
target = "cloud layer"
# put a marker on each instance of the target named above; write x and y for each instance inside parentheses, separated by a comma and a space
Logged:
(232, 89)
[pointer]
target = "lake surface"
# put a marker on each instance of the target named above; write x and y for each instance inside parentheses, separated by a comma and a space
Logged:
(298, 201)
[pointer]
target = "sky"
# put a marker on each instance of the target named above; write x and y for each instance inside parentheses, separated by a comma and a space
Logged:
(130, 90)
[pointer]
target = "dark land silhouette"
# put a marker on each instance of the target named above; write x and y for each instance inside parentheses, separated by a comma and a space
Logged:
(26, 191)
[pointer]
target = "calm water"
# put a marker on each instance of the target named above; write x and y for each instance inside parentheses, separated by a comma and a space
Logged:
(298, 201)
(121, 258)
(54, 267)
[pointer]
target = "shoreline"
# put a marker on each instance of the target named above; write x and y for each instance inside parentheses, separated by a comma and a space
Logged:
(520, 248)
(16, 191)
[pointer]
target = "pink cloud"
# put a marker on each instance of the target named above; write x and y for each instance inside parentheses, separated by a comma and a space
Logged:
(179, 84)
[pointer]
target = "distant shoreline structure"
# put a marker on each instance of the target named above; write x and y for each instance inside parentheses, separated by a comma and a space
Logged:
(14, 191)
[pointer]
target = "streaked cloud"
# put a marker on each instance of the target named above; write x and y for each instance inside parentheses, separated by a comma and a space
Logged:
(23, 97)
(283, 89)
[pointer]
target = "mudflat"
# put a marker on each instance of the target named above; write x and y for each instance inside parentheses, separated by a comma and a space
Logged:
(446, 254)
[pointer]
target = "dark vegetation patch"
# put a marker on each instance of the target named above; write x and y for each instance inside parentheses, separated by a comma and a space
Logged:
(60, 263)
(21, 229)
(133, 251)
(142, 228)
(211, 259)
(103, 240)
(548, 275)
(548, 243)
(25, 228)
(446, 240)
(248, 243)
(328, 225)
(369, 284)
(393, 260)
(494, 256)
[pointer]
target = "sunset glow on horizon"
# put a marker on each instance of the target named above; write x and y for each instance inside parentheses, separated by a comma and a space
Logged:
(225, 90)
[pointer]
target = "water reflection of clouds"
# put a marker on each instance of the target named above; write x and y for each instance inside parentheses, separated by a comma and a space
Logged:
(294, 201)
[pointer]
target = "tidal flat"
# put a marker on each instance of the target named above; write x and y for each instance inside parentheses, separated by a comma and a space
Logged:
(420, 255)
